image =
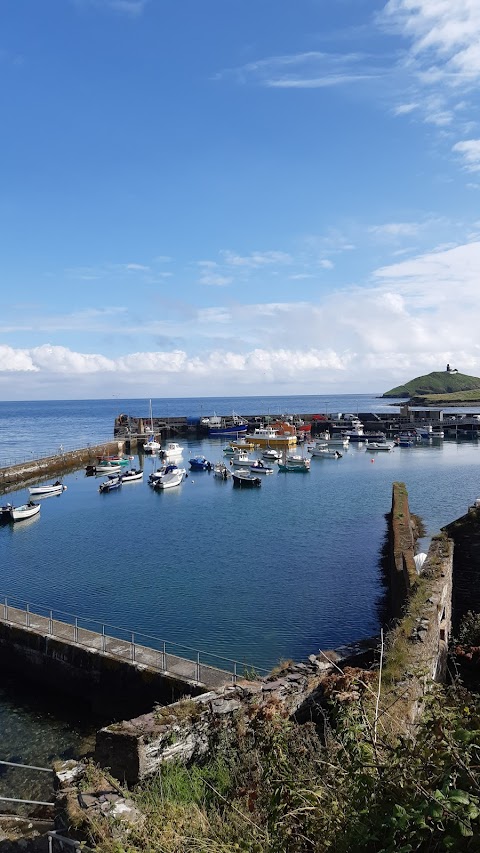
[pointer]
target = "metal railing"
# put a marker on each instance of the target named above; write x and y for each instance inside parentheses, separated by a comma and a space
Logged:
(136, 646)
(37, 455)
(26, 767)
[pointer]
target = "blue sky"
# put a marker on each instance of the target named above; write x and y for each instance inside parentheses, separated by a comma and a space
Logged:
(237, 196)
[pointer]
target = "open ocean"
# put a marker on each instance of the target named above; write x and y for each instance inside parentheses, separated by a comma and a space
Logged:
(255, 575)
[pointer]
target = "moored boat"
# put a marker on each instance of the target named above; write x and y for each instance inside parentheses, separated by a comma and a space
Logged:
(241, 459)
(132, 476)
(110, 485)
(259, 467)
(200, 463)
(282, 436)
(245, 479)
(221, 471)
(47, 489)
(172, 478)
(294, 462)
(379, 446)
(172, 450)
(18, 513)
(271, 454)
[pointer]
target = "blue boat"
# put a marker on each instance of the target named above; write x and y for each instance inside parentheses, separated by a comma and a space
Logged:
(200, 463)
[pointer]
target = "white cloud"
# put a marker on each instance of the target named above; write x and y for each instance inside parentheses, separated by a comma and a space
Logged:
(469, 149)
(307, 70)
(12, 360)
(326, 264)
(132, 8)
(395, 229)
(215, 279)
(256, 259)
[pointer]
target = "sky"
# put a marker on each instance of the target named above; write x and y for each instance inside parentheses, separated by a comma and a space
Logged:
(232, 197)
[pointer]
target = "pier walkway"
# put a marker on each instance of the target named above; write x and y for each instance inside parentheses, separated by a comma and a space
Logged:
(142, 651)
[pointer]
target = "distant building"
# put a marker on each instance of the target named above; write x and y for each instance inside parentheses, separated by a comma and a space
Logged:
(451, 369)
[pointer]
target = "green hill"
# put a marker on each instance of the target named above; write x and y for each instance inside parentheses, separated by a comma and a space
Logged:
(439, 382)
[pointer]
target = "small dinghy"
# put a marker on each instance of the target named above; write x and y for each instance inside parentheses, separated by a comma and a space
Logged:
(53, 489)
(259, 467)
(110, 485)
(131, 476)
(103, 469)
(18, 513)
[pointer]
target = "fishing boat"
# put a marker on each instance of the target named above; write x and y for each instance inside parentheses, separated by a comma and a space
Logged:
(132, 476)
(110, 485)
(167, 468)
(221, 426)
(221, 471)
(52, 489)
(200, 463)
(284, 435)
(172, 478)
(18, 513)
(241, 459)
(245, 479)
(151, 445)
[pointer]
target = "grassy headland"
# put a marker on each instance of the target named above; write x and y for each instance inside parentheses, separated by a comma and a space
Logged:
(439, 388)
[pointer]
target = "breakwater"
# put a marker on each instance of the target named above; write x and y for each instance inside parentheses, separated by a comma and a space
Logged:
(14, 476)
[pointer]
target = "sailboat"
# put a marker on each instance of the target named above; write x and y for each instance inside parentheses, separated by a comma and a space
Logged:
(151, 446)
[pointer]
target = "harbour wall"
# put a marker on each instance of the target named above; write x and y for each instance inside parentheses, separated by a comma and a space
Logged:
(417, 644)
(112, 687)
(16, 476)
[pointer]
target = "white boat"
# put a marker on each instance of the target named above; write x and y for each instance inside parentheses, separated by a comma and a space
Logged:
(259, 467)
(53, 489)
(241, 459)
(377, 446)
(151, 445)
(294, 462)
(326, 453)
(271, 454)
(131, 476)
(18, 513)
(172, 450)
(221, 471)
(171, 479)
(337, 440)
(158, 475)
(103, 469)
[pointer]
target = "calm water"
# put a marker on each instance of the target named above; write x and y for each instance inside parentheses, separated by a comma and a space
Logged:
(254, 575)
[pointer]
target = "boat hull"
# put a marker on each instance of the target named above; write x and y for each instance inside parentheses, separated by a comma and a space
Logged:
(19, 513)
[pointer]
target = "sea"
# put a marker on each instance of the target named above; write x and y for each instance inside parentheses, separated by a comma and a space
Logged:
(251, 575)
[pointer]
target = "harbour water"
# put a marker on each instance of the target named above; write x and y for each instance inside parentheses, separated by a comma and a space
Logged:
(254, 575)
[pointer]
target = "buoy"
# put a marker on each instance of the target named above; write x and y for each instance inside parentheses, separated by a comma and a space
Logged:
(372, 460)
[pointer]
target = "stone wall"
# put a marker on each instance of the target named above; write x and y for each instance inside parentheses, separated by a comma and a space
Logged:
(113, 687)
(183, 731)
(16, 476)
(465, 532)
(402, 572)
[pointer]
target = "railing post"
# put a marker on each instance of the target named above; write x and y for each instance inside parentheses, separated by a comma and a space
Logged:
(104, 639)
(75, 631)
(27, 616)
(5, 610)
(133, 647)
(164, 655)
(50, 623)
(198, 666)
(235, 672)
